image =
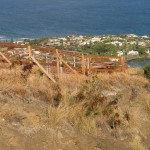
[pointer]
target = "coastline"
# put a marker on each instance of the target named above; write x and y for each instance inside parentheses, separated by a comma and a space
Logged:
(10, 37)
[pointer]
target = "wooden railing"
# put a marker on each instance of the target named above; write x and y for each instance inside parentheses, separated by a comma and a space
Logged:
(60, 62)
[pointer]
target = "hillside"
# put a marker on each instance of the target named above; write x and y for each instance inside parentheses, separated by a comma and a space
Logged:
(102, 112)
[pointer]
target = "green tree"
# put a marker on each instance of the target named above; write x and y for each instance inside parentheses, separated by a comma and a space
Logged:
(104, 49)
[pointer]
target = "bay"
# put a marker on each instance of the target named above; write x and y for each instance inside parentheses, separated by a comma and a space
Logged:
(48, 18)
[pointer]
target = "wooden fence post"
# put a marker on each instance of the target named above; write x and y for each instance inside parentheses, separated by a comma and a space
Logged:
(74, 61)
(83, 65)
(125, 69)
(58, 66)
(47, 66)
(88, 66)
(61, 65)
(30, 51)
(122, 64)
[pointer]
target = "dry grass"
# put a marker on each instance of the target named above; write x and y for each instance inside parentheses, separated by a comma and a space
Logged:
(96, 105)
(136, 144)
(136, 71)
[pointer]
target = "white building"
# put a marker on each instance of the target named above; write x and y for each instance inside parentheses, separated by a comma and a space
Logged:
(95, 39)
(145, 36)
(141, 43)
(117, 43)
(133, 52)
(120, 53)
(132, 35)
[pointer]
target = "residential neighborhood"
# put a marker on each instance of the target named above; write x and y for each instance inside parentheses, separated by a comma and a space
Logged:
(117, 45)
(129, 44)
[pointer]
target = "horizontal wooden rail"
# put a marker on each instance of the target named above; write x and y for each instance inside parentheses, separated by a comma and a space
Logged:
(3, 44)
(102, 57)
(70, 53)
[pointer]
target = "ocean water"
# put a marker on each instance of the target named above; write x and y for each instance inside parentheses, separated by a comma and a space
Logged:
(138, 63)
(48, 18)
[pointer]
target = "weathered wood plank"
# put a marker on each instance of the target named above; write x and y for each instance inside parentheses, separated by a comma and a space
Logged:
(6, 59)
(49, 75)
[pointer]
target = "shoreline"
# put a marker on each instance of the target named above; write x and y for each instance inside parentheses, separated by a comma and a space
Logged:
(7, 38)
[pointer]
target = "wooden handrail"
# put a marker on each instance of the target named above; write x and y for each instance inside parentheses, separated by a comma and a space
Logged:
(102, 57)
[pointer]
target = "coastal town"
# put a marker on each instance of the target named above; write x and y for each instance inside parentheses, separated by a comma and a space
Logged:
(115, 45)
